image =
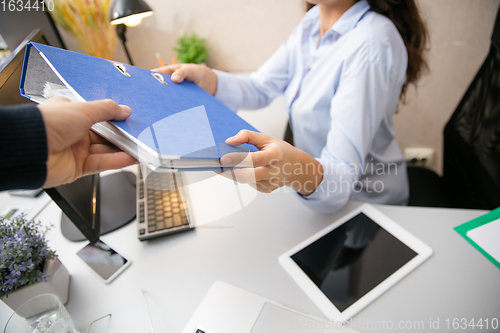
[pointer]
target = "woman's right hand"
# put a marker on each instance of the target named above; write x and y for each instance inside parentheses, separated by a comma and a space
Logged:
(199, 74)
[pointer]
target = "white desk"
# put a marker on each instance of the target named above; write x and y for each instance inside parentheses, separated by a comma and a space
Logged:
(242, 249)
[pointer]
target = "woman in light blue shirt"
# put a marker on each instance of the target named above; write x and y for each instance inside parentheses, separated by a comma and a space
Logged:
(342, 72)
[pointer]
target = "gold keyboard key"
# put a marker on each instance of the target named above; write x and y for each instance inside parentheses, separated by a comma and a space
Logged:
(177, 220)
(169, 222)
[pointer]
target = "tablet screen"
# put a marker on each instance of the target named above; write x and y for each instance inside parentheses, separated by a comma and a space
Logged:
(352, 259)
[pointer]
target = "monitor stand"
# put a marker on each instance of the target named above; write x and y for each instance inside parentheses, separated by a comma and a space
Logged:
(118, 205)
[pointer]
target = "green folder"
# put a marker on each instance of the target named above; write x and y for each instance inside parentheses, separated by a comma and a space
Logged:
(481, 220)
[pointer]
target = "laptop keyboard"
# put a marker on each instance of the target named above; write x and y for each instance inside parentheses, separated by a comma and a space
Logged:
(161, 209)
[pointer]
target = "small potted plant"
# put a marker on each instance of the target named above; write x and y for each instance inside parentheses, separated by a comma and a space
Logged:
(191, 49)
(28, 267)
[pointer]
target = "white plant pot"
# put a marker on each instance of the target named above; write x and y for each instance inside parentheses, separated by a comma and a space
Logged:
(57, 283)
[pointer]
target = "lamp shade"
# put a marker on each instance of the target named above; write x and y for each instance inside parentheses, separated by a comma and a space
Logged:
(129, 12)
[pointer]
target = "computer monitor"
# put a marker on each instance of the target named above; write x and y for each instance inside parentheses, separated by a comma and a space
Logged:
(10, 71)
(93, 205)
(79, 203)
(97, 205)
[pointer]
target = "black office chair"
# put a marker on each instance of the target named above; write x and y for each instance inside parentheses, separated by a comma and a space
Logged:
(471, 158)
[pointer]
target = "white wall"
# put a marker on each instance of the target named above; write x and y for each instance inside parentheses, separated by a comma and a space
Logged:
(244, 33)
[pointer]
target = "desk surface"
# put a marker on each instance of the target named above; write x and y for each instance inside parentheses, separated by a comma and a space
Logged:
(243, 249)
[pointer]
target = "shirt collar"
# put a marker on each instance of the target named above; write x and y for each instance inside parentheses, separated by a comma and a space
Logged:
(351, 17)
(346, 22)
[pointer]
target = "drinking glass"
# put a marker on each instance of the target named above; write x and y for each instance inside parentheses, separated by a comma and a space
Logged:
(41, 314)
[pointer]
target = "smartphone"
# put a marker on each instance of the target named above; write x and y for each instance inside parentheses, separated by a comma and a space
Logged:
(105, 262)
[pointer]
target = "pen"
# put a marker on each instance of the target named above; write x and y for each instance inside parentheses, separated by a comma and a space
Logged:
(160, 61)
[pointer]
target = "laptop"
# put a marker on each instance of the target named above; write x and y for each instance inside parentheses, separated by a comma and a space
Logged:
(228, 309)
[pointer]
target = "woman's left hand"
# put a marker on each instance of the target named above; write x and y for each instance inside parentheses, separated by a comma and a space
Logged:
(277, 163)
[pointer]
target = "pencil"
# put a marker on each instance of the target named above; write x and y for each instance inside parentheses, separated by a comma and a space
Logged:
(160, 61)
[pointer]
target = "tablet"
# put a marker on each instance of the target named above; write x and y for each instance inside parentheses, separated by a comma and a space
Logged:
(350, 263)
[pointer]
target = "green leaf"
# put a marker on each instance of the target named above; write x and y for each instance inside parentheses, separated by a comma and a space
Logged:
(191, 49)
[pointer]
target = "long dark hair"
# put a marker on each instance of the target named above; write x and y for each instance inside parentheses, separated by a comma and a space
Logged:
(406, 17)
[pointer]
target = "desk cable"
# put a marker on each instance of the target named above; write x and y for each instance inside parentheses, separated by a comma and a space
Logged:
(90, 325)
(149, 312)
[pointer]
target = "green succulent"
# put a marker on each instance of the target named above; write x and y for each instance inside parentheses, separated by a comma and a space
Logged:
(191, 49)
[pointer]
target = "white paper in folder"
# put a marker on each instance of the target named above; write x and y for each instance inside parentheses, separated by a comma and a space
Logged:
(487, 237)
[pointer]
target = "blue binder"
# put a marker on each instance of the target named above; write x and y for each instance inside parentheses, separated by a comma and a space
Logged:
(172, 126)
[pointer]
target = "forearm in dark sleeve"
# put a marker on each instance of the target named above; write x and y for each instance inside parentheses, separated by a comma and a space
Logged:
(23, 147)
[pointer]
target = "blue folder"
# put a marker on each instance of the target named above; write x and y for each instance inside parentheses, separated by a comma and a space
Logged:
(172, 126)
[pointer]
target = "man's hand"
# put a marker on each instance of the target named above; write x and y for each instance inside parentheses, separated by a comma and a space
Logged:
(73, 149)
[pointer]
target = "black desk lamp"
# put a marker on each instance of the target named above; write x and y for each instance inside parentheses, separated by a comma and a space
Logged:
(123, 13)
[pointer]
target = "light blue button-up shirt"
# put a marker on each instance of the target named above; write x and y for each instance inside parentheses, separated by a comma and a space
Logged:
(341, 92)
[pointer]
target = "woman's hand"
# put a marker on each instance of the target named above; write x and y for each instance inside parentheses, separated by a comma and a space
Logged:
(199, 74)
(276, 164)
